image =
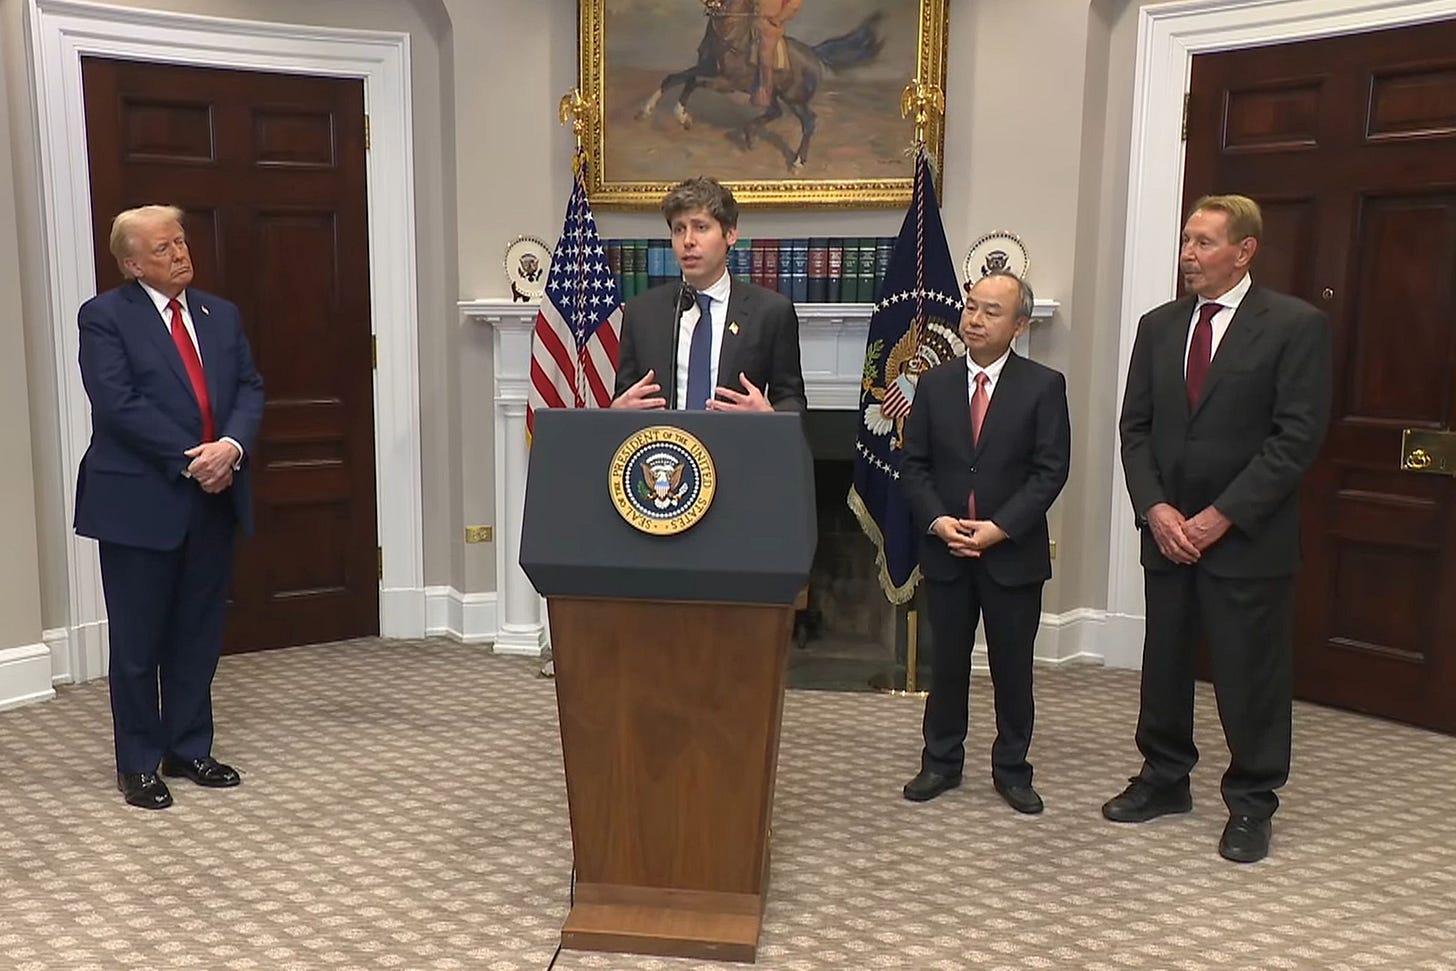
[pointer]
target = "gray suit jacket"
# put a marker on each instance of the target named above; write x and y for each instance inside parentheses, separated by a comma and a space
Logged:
(1255, 431)
(764, 345)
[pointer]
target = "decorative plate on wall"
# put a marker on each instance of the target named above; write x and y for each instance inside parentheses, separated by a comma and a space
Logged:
(998, 251)
(528, 260)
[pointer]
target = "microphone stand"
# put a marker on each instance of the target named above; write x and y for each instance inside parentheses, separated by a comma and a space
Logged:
(685, 299)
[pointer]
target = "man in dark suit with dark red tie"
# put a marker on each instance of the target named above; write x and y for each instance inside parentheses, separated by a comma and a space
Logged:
(1228, 396)
(164, 485)
(987, 451)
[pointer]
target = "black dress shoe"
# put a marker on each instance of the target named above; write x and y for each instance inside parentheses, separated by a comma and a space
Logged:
(1245, 839)
(1140, 802)
(143, 790)
(1023, 799)
(928, 785)
(206, 771)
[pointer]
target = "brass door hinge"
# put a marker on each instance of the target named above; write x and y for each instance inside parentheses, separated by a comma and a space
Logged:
(1187, 97)
(381, 562)
(374, 351)
(366, 133)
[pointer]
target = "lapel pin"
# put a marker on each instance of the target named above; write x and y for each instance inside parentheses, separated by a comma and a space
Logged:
(733, 328)
(204, 310)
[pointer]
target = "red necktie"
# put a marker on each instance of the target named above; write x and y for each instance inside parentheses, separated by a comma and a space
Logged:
(1200, 352)
(980, 401)
(193, 364)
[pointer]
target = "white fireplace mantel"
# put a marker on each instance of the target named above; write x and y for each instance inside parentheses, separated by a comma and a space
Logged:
(832, 346)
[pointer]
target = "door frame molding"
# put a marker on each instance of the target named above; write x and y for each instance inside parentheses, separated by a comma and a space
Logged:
(61, 33)
(1169, 35)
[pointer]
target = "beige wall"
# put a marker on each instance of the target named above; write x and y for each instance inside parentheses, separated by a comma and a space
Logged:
(1039, 95)
(1032, 129)
(20, 602)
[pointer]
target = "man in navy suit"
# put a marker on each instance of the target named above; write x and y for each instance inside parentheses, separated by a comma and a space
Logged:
(1228, 397)
(737, 344)
(164, 485)
(987, 448)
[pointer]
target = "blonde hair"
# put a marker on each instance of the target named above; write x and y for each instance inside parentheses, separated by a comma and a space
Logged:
(1245, 221)
(124, 227)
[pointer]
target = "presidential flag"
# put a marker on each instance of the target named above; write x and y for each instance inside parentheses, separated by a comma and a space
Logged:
(913, 328)
(574, 345)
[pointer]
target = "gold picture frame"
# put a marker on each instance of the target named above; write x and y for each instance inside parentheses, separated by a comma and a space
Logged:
(640, 144)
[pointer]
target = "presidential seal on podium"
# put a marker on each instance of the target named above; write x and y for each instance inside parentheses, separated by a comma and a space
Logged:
(662, 480)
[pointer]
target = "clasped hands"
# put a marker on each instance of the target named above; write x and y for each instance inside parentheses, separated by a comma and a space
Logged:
(1184, 540)
(212, 464)
(967, 537)
(647, 393)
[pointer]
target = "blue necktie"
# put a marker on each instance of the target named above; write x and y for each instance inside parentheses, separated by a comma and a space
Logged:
(700, 358)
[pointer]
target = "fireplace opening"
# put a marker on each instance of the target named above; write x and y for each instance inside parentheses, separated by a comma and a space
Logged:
(847, 635)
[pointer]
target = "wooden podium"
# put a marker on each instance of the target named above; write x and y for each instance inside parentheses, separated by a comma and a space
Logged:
(671, 654)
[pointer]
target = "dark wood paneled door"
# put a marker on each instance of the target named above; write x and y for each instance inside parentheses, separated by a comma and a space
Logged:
(270, 171)
(1349, 144)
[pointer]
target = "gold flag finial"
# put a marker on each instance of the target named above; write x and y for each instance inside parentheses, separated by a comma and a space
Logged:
(921, 98)
(579, 110)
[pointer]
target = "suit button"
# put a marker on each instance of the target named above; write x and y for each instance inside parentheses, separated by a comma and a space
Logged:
(973, 469)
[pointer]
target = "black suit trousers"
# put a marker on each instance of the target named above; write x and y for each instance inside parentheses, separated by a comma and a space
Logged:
(1248, 624)
(1011, 616)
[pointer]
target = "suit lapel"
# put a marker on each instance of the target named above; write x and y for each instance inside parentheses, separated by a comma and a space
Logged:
(735, 325)
(155, 329)
(207, 345)
(1243, 332)
(1008, 387)
(1171, 354)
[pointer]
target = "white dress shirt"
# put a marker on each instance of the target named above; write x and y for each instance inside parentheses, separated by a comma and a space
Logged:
(992, 372)
(1230, 302)
(719, 309)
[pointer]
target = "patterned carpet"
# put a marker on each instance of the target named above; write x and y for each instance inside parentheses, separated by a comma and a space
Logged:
(403, 807)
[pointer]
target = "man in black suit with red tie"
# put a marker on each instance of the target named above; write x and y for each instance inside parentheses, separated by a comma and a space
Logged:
(164, 486)
(1228, 396)
(987, 450)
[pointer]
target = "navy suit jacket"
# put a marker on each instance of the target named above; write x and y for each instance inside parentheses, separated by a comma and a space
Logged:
(130, 488)
(764, 345)
(1257, 428)
(1017, 469)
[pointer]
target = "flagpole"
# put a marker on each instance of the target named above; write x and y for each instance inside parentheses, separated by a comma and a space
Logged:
(578, 110)
(921, 99)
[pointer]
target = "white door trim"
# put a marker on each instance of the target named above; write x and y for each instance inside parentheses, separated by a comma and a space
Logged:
(1169, 34)
(61, 33)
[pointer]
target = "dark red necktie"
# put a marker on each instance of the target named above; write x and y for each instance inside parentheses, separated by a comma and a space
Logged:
(193, 364)
(980, 401)
(1200, 352)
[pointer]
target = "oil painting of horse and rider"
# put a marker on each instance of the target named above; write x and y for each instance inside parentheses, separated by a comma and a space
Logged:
(757, 89)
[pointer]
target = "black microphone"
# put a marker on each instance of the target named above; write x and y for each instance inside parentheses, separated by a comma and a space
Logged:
(686, 297)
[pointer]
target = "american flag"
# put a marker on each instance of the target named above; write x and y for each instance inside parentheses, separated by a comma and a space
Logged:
(574, 346)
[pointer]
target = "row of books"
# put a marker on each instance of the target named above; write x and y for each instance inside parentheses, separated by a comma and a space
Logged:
(835, 269)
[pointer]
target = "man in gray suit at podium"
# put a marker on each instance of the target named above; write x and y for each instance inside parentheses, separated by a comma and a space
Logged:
(708, 341)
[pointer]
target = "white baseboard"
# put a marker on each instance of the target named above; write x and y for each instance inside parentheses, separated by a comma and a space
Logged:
(467, 617)
(1072, 637)
(25, 675)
